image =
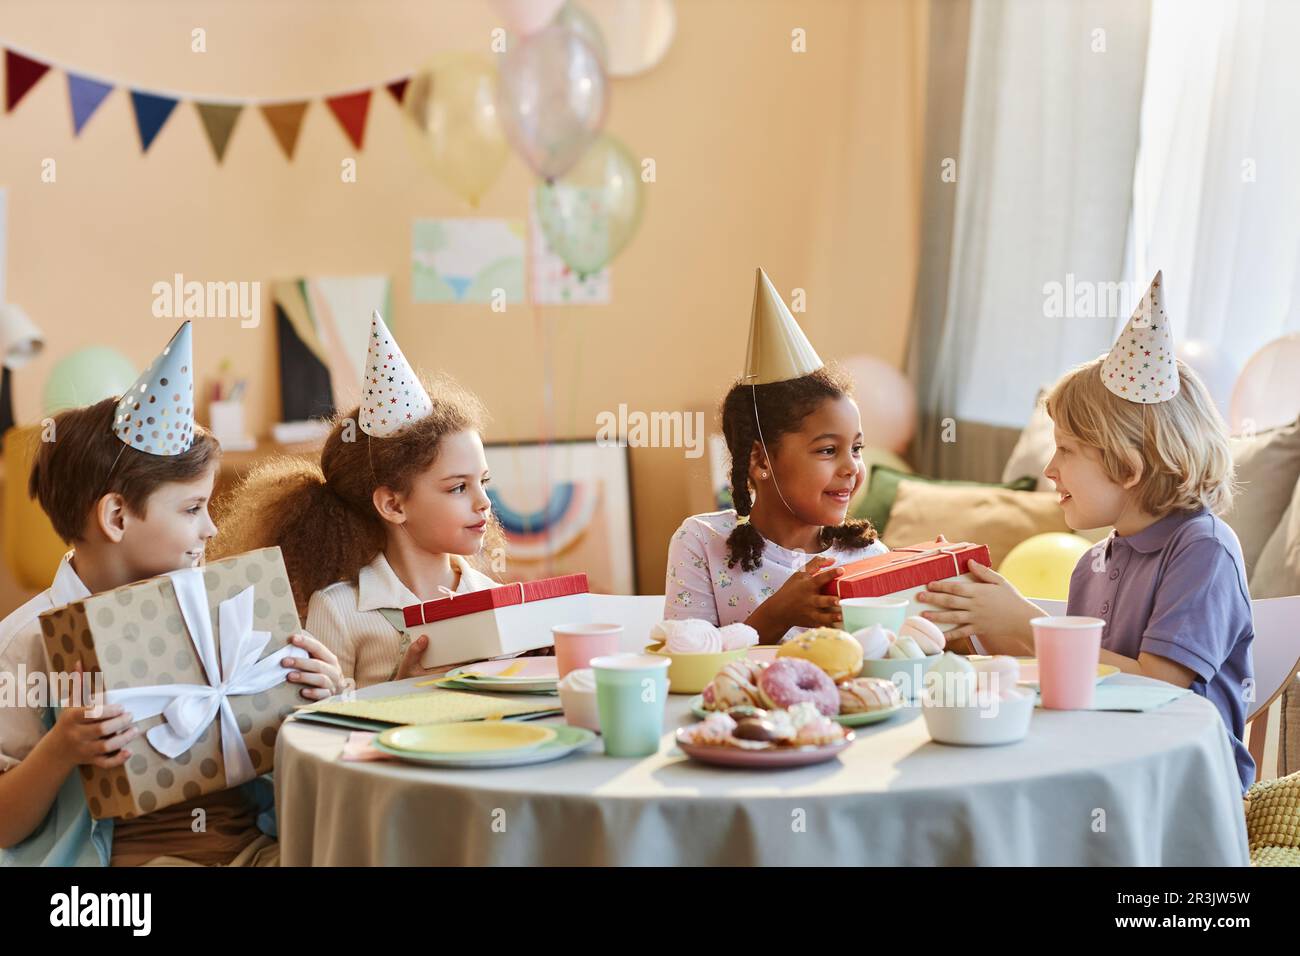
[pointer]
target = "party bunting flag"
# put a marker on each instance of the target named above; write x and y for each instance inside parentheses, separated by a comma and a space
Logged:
(398, 89)
(21, 74)
(350, 110)
(151, 112)
(219, 123)
(85, 95)
(286, 122)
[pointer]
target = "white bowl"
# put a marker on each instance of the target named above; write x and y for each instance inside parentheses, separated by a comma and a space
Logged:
(975, 725)
(908, 673)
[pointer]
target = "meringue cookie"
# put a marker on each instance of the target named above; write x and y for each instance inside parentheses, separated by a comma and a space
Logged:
(581, 679)
(875, 641)
(714, 730)
(904, 648)
(927, 635)
(738, 635)
(999, 674)
(951, 681)
(688, 636)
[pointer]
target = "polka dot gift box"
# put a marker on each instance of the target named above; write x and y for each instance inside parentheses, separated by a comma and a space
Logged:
(161, 648)
(156, 415)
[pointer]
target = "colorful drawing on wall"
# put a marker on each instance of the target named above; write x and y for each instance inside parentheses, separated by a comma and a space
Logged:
(566, 507)
(464, 260)
(553, 281)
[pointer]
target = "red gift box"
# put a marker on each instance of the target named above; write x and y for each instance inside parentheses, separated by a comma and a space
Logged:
(904, 569)
(522, 592)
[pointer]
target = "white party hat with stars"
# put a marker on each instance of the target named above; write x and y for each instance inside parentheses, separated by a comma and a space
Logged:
(778, 349)
(1140, 367)
(391, 394)
(156, 415)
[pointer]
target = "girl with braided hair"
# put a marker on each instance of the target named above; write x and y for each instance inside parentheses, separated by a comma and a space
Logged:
(795, 439)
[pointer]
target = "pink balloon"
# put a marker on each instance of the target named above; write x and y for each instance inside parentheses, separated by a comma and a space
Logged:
(1267, 393)
(527, 16)
(886, 399)
(552, 97)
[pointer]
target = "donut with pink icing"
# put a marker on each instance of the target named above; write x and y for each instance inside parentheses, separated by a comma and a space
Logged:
(791, 680)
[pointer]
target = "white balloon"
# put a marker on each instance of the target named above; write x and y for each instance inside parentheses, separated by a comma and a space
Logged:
(1267, 393)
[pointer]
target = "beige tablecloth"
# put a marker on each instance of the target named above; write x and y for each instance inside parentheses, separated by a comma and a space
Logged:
(1084, 788)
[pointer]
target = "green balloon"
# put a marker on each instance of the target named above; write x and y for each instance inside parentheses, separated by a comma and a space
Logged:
(86, 376)
(590, 213)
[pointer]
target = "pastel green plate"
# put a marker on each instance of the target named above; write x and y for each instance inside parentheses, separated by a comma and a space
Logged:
(566, 741)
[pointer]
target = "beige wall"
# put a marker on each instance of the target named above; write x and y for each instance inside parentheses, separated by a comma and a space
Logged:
(804, 163)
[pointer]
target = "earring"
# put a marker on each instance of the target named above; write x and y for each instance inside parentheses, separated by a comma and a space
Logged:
(763, 475)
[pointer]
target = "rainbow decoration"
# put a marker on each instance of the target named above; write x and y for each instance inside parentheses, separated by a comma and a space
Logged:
(553, 528)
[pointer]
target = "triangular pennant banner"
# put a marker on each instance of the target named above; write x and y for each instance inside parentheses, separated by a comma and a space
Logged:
(351, 110)
(85, 95)
(21, 74)
(219, 123)
(398, 89)
(285, 120)
(151, 112)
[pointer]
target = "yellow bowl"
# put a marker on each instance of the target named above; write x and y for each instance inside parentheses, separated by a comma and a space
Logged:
(691, 673)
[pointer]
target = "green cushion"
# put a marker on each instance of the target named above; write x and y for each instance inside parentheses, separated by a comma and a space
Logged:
(882, 489)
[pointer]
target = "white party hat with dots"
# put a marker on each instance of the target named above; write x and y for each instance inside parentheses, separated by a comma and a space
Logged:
(156, 415)
(391, 394)
(1140, 367)
(778, 349)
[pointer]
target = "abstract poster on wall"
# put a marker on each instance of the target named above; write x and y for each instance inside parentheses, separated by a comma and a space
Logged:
(322, 329)
(467, 260)
(566, 507)
(553, 281)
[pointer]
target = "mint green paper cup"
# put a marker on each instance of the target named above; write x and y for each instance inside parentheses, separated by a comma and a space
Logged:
(888, 612)
(631, 690)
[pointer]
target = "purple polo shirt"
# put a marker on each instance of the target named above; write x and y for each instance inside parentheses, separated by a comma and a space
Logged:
(1177, 589)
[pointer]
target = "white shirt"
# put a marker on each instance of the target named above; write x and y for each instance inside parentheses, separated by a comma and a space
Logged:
(346, 618)
(22, 652)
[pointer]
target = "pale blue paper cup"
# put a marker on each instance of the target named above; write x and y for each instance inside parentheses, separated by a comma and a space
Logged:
(888, 612)
(631, 690)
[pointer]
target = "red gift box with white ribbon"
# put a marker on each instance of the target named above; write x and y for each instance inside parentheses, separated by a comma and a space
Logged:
(904, 572)
(479, 625)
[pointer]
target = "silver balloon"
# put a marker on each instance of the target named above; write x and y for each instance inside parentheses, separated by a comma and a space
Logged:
(552, 97)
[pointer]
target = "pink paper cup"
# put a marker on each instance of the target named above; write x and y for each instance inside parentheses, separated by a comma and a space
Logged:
(1068, 651)
(577, 644)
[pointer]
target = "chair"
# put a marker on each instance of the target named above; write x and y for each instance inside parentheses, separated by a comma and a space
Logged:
(32, 548)
(1277, 658)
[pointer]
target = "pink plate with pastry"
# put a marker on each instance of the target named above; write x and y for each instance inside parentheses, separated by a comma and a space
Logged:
(772, 758)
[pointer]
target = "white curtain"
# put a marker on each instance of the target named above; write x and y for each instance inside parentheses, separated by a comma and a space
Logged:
(1044, 185)
(1216, 190)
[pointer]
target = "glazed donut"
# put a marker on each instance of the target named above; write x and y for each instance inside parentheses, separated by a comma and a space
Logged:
(790, 680)
(865, 694)
(734, 685)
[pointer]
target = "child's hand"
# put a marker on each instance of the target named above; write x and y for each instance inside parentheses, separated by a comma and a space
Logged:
(97, 734)
(990, 608)
(319, 673)
(411, 667)
(800, 603)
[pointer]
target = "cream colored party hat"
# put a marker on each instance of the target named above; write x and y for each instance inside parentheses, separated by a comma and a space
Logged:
(391, 394)
(1140, 367)
(778, 349)
(156, 415)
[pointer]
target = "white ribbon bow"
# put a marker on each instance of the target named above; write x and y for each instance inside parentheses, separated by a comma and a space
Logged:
(188, 709)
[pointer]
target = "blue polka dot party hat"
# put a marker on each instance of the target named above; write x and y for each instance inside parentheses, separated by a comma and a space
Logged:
(156, 415)
(391, 394)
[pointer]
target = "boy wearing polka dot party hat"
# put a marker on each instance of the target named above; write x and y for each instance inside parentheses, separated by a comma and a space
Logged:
(795, 439)
(1140, 447)
(126, 482)
(390, 517)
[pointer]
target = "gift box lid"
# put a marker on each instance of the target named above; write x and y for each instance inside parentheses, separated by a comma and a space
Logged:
(523, 592)
(904, 568)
